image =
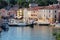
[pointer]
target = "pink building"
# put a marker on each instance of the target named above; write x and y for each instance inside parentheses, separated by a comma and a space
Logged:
(4, 12)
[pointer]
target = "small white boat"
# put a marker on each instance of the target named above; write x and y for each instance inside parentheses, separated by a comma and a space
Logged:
(42, 22)
(15, 22)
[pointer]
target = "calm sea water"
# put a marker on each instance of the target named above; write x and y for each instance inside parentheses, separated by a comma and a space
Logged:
(28, 33)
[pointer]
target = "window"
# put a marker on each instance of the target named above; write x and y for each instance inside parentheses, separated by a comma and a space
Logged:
(49, 11)
(55, 11)
(55, 18)
(19, 14)
(49, 15)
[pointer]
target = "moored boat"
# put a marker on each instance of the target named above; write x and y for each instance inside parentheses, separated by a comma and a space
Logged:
(15, 22)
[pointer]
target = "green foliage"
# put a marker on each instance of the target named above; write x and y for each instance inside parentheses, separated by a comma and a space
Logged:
(54, 1)
(57, 34)
(20, 2)
(3, 4)
(13, 2)
(39, 2)
(46, 2)
(30, 1)
(24, 3)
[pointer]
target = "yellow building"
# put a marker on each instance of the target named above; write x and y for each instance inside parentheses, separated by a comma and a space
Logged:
(20, 13)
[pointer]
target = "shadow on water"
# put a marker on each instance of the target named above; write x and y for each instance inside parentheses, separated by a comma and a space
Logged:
(0, 34)
(32, 26)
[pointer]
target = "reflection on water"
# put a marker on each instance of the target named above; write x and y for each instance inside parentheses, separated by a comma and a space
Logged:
(27, 33)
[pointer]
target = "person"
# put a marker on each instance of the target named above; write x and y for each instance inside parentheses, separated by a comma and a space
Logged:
(32, 23)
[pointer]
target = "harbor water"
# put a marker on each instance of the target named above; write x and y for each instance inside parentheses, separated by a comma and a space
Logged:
(28, 33)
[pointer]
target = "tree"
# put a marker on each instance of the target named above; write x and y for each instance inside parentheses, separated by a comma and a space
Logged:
(19, 2)
(30, 1)
(54, 1)
(3, 4)
(22, 3)
(45, 2)
(13, 2)
(25, 4)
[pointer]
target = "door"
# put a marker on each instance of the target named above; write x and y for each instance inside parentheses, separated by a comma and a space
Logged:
(59, 18)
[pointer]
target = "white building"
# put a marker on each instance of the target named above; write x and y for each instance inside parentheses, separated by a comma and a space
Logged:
(50, 13)
(43, 14)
